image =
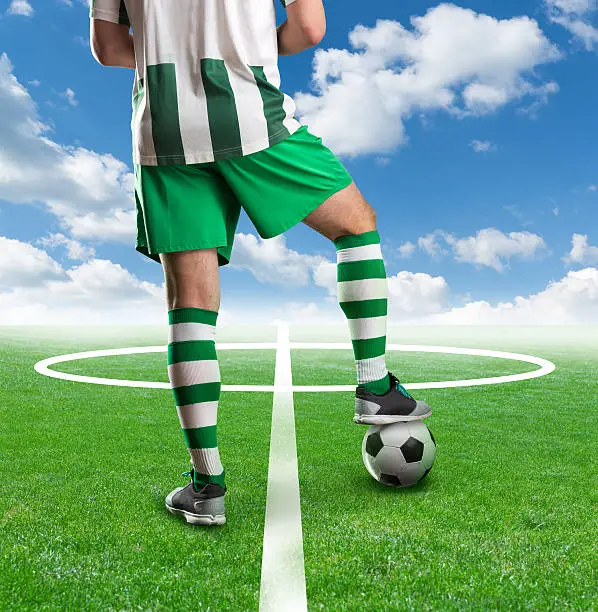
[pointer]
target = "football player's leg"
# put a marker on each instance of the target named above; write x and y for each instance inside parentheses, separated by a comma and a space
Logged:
(350, 222)
(193, 296)
(299, 179)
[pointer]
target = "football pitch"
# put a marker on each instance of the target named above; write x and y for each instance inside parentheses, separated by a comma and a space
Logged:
(506, 519)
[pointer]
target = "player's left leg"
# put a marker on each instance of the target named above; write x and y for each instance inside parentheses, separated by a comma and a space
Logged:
(350, 222)
(300, 179)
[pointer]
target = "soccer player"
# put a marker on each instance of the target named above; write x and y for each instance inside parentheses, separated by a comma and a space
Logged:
(212, 131)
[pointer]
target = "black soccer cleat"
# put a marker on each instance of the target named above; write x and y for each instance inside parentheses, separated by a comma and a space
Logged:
(204, 507)
(393, 406)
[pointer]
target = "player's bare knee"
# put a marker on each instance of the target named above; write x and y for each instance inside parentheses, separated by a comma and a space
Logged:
(192, 279)
(362, 222)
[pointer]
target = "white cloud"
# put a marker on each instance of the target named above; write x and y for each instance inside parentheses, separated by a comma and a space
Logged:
(102, 281)
(116, 227)
(416, 294)
(270, 261)
(72, 2)
(75, 250)
(493, 248)
(540, 98)
(35, 288)
(20, 7)
(576, 17)
(69, 94)
(90, 193)
(489, 247)
(593, 188)
(431, 244)
(555, 211)
(482, 146)
(325, 275)
(23, 265)
(571, 300)
(407, 249)
(574, 6)
(453, 59)
(581, 252)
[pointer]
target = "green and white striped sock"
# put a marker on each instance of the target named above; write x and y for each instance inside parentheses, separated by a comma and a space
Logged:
(194, 376)
(363, 297)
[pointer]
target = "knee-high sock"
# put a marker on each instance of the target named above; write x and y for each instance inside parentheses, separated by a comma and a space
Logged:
(363, 297)
(194, 376)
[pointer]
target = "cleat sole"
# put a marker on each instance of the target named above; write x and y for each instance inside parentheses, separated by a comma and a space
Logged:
(198, 519)
(386, 419)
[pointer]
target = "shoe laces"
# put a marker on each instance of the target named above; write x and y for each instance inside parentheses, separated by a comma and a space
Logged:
(396, 383)
(191, 473)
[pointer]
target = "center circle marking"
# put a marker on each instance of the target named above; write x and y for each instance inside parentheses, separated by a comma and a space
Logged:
(546, 367)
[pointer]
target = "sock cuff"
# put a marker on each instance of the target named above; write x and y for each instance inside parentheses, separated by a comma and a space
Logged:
(357, 240)
(192, 315)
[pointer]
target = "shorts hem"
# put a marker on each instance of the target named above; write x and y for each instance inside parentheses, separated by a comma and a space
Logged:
(178, 248)
(309, 209)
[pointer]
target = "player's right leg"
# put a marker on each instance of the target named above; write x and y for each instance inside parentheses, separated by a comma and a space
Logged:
(193, 300)
(186, 220)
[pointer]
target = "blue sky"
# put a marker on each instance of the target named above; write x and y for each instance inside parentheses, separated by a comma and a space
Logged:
(489, 173)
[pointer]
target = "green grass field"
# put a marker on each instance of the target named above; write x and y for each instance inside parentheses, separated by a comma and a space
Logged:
(506, 519)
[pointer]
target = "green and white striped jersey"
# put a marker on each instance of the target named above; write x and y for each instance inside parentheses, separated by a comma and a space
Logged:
(207, 85)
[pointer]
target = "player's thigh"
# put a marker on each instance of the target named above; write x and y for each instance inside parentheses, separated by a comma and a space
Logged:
(345, 212)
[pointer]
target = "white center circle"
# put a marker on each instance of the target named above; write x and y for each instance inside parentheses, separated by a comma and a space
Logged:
(546, 367)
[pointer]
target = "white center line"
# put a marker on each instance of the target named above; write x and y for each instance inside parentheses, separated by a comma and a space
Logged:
(283, 573)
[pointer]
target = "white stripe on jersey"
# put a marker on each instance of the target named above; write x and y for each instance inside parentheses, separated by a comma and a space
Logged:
(193, 115)
(250, 109)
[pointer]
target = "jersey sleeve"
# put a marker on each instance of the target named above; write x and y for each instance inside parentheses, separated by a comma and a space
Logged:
(286, 3)
(110, 10)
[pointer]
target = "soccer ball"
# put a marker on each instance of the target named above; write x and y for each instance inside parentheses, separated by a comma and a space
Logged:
(399, 454)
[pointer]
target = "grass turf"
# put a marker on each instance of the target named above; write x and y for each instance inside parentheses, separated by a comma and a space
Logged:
(506, 519)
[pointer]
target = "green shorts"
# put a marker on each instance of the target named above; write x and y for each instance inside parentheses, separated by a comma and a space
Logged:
(197, 206)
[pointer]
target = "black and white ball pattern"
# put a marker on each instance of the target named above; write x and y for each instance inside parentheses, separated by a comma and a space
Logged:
(399, 454)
